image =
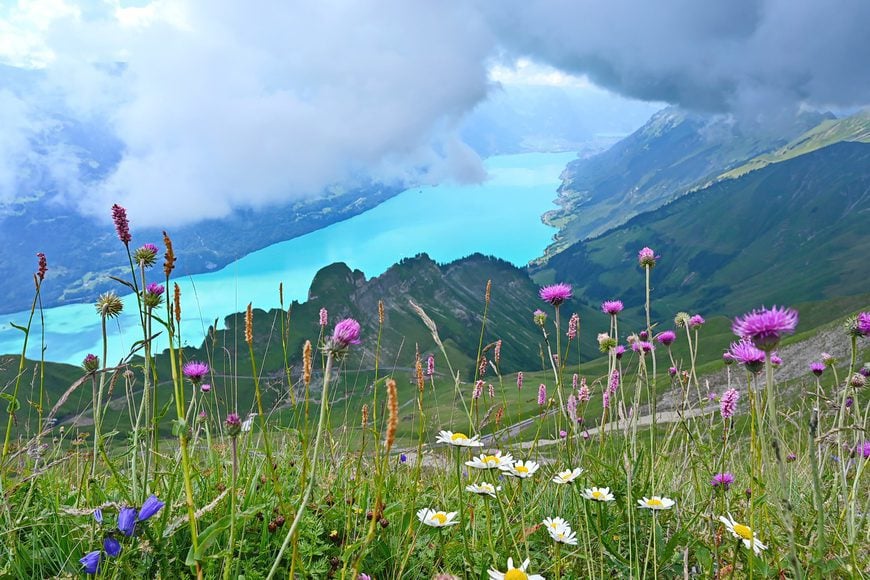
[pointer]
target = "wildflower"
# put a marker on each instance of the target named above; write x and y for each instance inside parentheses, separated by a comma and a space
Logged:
(127, 521)
(109, 305)
(672, 371)
(563, 535)
(728, 403)
(573, 326)
(150, 506)
(363, 576)
(521, 469)
(711, 396)
(656, 503)
(828, 359)
(497, 351)
(430, 366)
(791, 458)
(169, 256)
(619, 351)
(112, 546)
(484, 488)
(146, 255)
(491, 390)
(696, 321)
(324, 318)
(345, 333)
(583, 393)
(514, 573)
(817, 368)
(598, 494)
(539, 317)
(586, 435)
(153, 294)
(571, 407)
(857, 380)
(248, 423)
(568, 475)
(542, 394)
(42, 266)
(195, 371)
(555, 294)
(234, 424)
(646, 258)
(458, 439)
(775, 360)
(122, 226)
(667, 337)
(612, 307)
(723, 480)
(491, 461)
(91, 562)
(91, 363)
(554, 524)
(849, 402)
(562, 433)
(865, 450)
(205, 388)
(642, 335)
(766, 327)
(98, 516)
(745, 353)
(478, 390)
(727, 358)
(520, 381)
(642, 346)
(863, 323)
(743, 533)
(865, 370)
(436, 519)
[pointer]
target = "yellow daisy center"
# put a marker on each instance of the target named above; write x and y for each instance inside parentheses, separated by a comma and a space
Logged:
(565, 474)
(459, 437)
(744, 532)
(491, 459)
(654, 502)
(597, 495)
(440, 518)
(515, 574)
(520, 469)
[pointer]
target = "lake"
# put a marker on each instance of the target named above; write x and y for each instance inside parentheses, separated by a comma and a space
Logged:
(500, 217)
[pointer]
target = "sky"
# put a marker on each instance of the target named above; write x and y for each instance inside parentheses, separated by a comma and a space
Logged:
(205, 106)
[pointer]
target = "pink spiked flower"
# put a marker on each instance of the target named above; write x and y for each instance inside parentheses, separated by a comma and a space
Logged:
(430, 365)
(42, 266)
(520, 381)
(324, 317)
(573, 325)
(122, 225)
(542, 394)
(728, 403)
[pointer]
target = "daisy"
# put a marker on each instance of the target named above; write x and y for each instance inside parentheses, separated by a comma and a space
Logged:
(598, 494)
(483, 489)
(491, 461)
(521, 469)
(564, 535)
(656, 503)
(553, 524)
(436, 519)
(744, 533)
(458, 439)
(514, 573)
(568, 475)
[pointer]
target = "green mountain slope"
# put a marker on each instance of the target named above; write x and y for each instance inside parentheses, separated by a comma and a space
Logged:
(672, 153)
(791, 231)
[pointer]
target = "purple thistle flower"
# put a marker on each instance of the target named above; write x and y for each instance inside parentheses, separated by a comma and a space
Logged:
(542, 394)
(555, 294)
(817, 368)
(234, 424)
(667, 337)
(91, 562)
(612, 307)
(562, 433)
(155, 289)
(122, 225)
(775, 359)
(642, 346)
(863, 323)
(619, 351)
(127, 521)
(91, 363)
(672, 371)
(573, 325)
(727, 358)
(42, 266)
(430, 365)
(849, 402)
(723, 480)
(766, 327)
(478, 390)
(146, 255)
(364, 576)
(151, 506)
(745, 353)
(345, 333)
(696, 321)
(204, 388)
(195, 371)
(112, 546)
(791, 458)
(520, 381)
(864, 371)
(865, 450)
(643, 335)
(324, 318)
(647, 258)
(728, 403)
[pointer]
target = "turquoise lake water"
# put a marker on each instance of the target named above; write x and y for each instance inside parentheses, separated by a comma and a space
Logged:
(501, 217)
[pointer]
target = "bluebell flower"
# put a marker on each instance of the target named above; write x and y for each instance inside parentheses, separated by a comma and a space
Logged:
(91, 562)
(112, 546)
(98, 515)
(127, 521)
(151, 506)
(403, 458)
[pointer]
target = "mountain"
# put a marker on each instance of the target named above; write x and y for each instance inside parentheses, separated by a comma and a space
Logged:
(672, 153)
(791, 231)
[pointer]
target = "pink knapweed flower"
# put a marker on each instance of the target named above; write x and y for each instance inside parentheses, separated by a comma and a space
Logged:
(195, 371)
(205, 388)
(122, 225)
(766, 327)
(619, 351)
(555, 294)
(817, 368)
(728, 403)
(612, 307)
(723, 480)
(667, 337)
(672, 371)
(696, 321)
(745, 353)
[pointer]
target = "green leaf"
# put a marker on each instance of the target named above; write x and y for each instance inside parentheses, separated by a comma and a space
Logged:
(19, 327)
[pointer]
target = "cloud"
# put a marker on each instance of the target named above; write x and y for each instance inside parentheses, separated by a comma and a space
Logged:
(218, 105)
(742, 55)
